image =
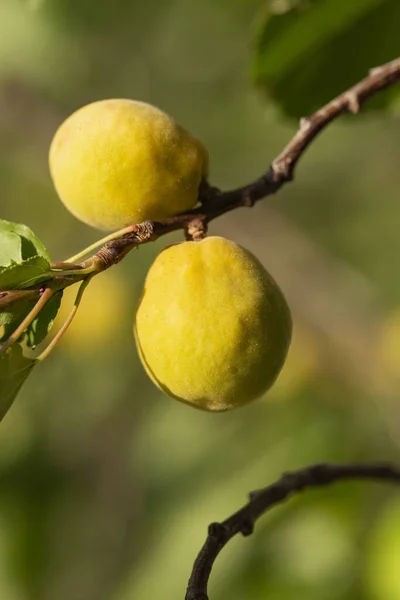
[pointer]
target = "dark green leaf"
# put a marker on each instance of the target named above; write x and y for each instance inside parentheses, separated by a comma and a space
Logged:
(11, 317)
(30, 272)
(41, 326)
(310, 54)
(14, 369)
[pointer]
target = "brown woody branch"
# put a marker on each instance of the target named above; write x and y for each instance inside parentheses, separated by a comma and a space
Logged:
(214, 203)
(243, 520)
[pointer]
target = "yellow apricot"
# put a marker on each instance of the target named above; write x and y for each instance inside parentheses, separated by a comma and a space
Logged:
(212, 327)
(119, 162)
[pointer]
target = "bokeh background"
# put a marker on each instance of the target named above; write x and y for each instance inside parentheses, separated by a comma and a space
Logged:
(106, 485)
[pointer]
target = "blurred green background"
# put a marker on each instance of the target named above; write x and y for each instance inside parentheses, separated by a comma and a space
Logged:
(106, 485)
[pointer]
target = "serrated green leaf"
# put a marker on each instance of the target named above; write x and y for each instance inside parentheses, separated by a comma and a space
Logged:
(14, 369)
(30, 272)
(10, 248)
(30, 245)
(41, 326)
(307, 55)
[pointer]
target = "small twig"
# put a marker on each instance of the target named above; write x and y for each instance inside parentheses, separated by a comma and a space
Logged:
(47, 351)
(10, 297)
(31, 316)
(243, 520)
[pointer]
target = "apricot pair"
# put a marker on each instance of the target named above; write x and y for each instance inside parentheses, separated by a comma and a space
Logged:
(212, 327)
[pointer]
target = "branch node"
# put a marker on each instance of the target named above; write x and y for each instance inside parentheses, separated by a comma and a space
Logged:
(108, 255)
(196, 229)
(353, 102)
(143, 232)
(305, 124)
(247, 527)
(247, 199)
(282, 169)
(255, 494)
(217, 531)
(375, 71)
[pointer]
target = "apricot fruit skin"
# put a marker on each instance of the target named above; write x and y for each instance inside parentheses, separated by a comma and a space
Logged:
(118, 162)
(212, 327)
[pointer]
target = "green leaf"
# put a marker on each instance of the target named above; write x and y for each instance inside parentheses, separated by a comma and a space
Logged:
(29, 244)
(41, 326)
(24, 261)
(10, 248)
(11, 317)
(14, 369)
(26, 274)
(311, 53)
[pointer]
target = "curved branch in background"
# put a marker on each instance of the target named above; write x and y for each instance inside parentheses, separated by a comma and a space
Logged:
(243, 520)
(215, 203)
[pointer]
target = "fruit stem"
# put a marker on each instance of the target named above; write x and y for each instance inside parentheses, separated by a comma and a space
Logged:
(113, 236)
(66, 323)
(46, 295)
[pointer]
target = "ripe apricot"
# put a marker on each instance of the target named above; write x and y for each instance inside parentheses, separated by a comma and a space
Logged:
(119, 162)
(212, 327)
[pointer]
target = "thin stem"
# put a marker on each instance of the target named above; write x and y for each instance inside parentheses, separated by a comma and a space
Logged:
(46, 295)
(108, 238)
(66, 323)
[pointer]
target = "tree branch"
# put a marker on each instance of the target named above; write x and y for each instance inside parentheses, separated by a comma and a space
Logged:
(215, 203)
(212, 201)
(243, 520)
